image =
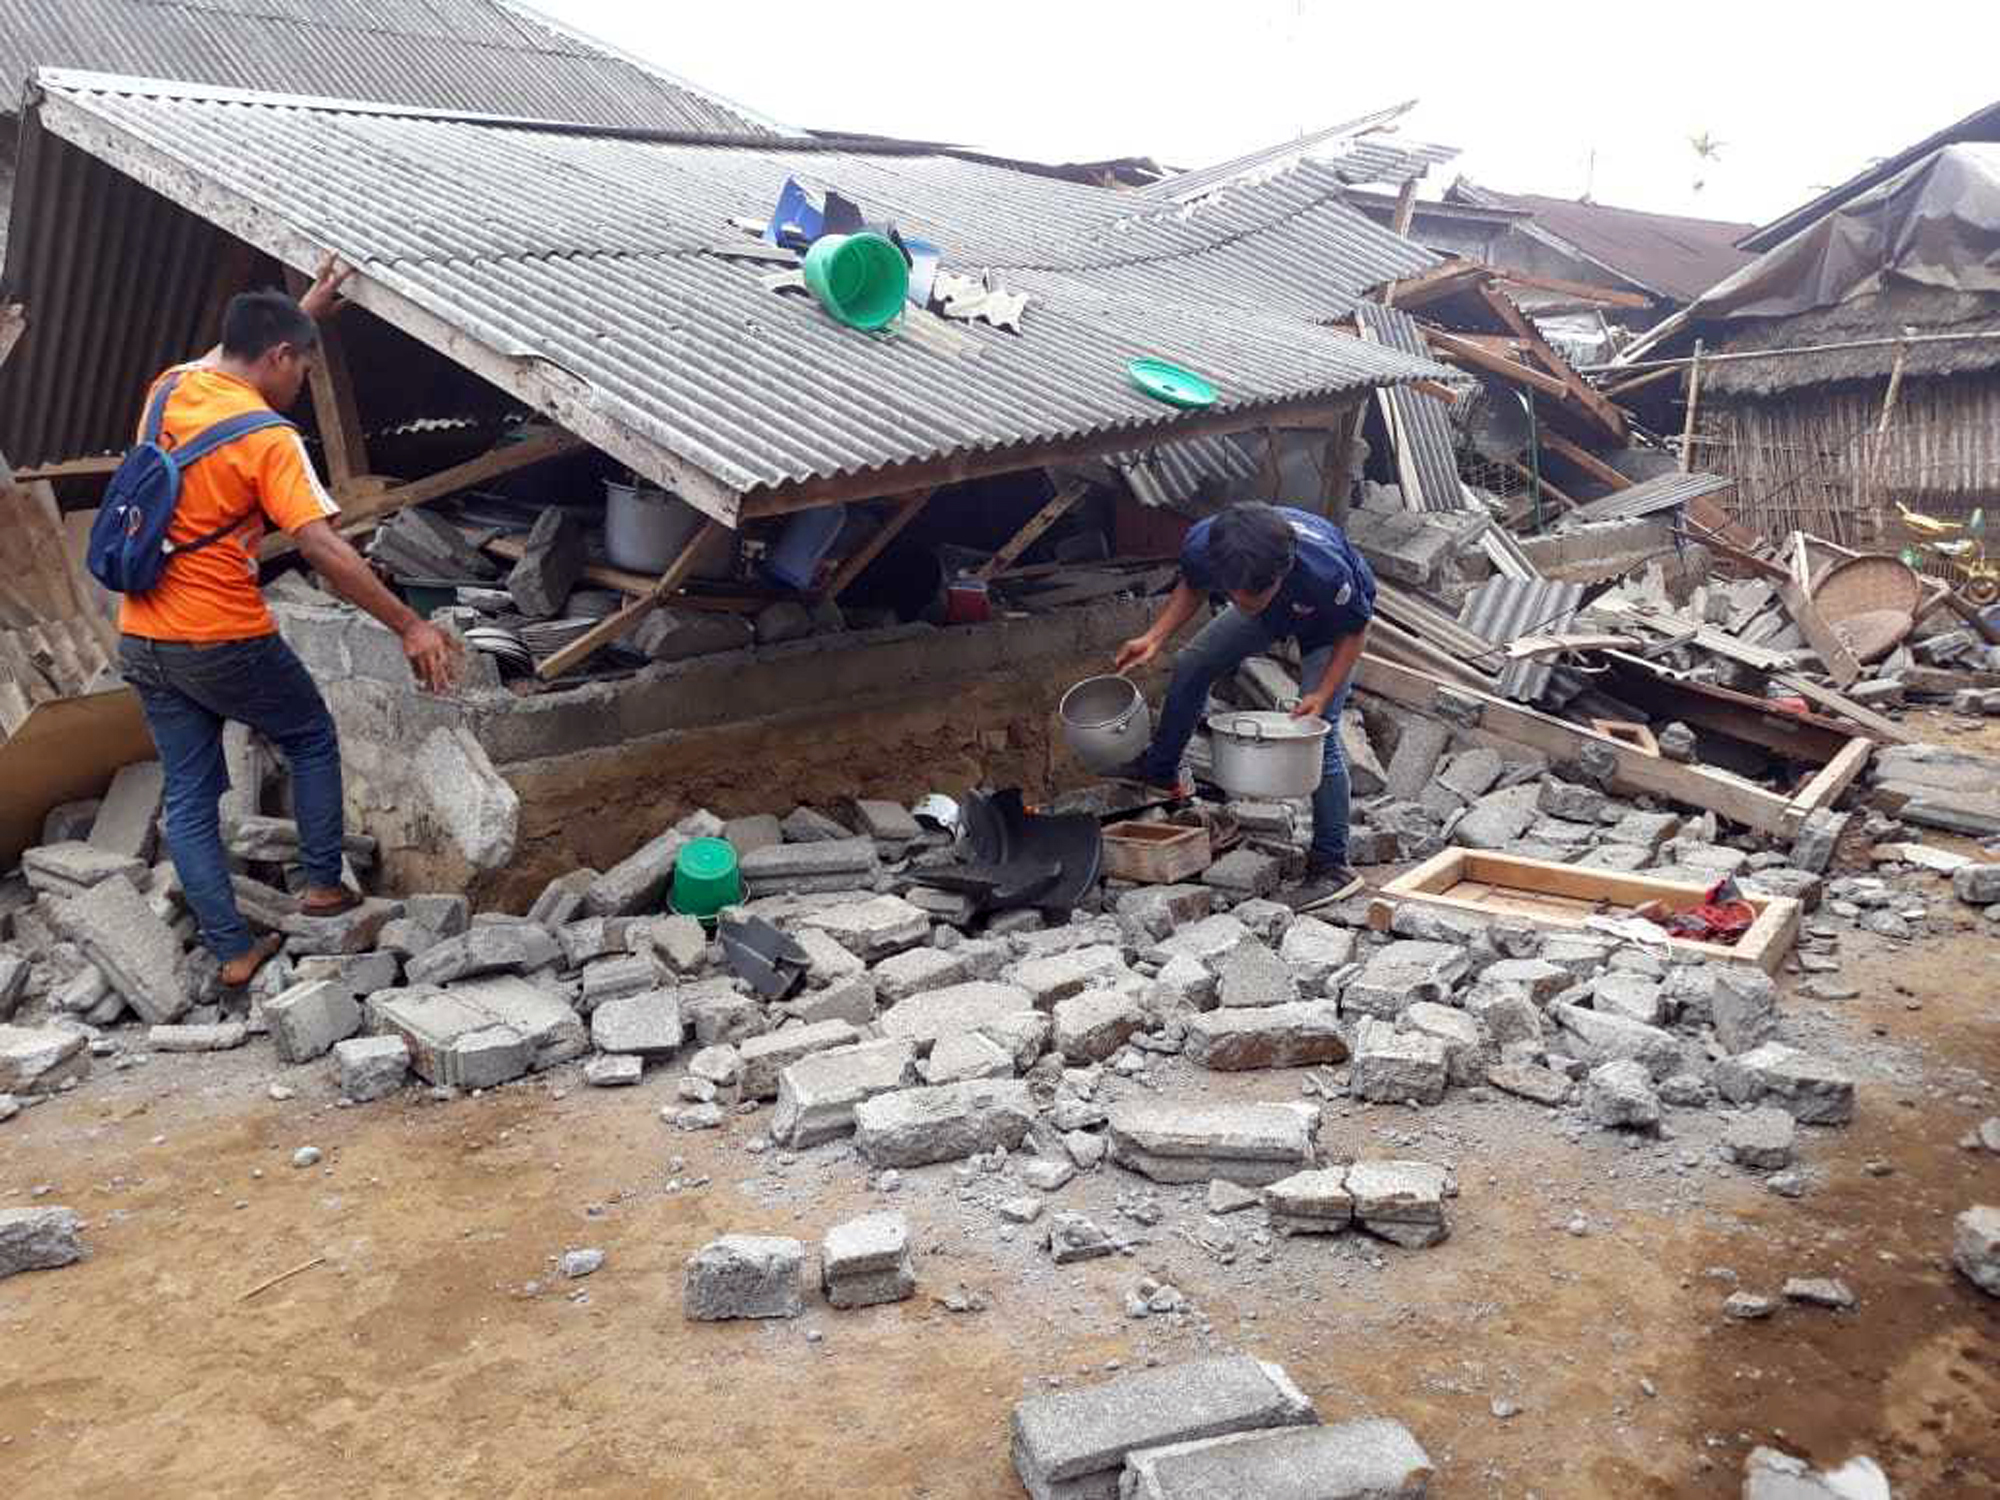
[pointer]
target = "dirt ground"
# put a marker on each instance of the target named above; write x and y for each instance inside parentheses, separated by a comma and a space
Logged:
(435, 1349)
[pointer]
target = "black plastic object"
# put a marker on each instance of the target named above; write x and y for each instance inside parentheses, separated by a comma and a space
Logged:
(770, 962)
(1000, 832)
(995, 887)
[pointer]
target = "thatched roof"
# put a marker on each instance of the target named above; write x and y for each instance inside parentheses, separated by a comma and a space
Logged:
(1885, 314)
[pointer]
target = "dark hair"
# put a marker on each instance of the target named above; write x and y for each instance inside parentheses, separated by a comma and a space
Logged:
(1250, 547)
(257, 321)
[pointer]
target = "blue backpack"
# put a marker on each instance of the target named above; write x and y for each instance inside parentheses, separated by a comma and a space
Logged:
(128, 541)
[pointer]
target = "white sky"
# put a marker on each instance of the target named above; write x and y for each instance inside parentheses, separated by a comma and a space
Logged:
(1800, 95)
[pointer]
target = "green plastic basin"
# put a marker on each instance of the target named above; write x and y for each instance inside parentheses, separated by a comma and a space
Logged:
(706, 879)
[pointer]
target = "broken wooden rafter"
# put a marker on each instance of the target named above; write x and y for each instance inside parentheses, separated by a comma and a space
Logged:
(1581, 391)
(1461, 350)
(1563, 742)
(613, 626)
(335, 411)
(1832, 651)
(1584, 459)
(852, 566)
(1059, 505)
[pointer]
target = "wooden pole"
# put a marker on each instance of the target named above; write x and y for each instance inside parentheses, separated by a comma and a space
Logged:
(853, 566)
(611, 627)
(1693, 402)
(1874, 510)
(334, 407)
(1065, 497)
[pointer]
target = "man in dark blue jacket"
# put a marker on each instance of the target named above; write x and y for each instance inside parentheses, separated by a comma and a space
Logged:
(1288, 574)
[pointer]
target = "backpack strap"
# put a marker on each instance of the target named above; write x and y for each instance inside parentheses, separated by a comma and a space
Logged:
(156, 410)
(207, 441)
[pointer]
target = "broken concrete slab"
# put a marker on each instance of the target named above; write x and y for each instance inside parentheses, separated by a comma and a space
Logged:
(669, 635)
(744, 1276)
(1311, 1202)
(916, 971)
(1391, 1066)
(1632, 996)
(1619, 1096)
(922, 1019)
(1743, 1004)
(69, 869)
(371, 1067)
(1760, 1140)
(866, 1261)
(1369, 1459)
(473, 804)
(1809, 1089)
(915, 1127)
(354, 931)
(127, 821)
(1465, 1048)
(1207, 941)
(763, 1059)
(1093, 1024)
(1497, 819)
(221, 1036)
(1072, 1445)
(1252, 975)
(1251, 1144)
(1070, 1237)
(308, 1018)
(551, 561)
(1245, 871)
(137, 952)
(1404, 972)
(1530, 1081)
(1975, 1247)
(1420, 745)
(805, 825)
(643, 1025)
(1156, 912)
(1608, 1038)
(41, 1059)
(967, 1055)
(873, 929)
(1388, 1191)
(1060, 975)
(851, 863)
(1297, 1035)
(638, 883)
(852, 1001)
(721, 1015)
(486, 948)
(1315, 951)
(818, 1093)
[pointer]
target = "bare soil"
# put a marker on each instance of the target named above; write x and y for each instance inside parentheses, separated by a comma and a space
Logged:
(436, 1349)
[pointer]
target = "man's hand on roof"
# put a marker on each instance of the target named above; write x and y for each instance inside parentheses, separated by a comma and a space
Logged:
(322, 299)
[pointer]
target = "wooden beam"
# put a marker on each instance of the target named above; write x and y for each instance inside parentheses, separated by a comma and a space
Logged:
(1826, 643)
(1065, 497)
(1739, 801)
(504, 458)
(613, 626)
(1584, 459)
(334, 408)
(1833, 779)
(1693, 404)
(1406, 207)
(71, 468)
(1541, 479)
(856, 563)
(1841, 706)
(1463, 351)
(1581, 391)
(230, 276)
(957, 469)
(1625, 386)
(1582, 291)
(1439, 281)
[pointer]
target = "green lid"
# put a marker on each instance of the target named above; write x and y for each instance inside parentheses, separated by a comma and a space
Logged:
(1170, 383)
(705, 879)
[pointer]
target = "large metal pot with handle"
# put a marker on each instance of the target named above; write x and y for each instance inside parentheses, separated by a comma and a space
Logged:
(1261, 754)
(1105, 722)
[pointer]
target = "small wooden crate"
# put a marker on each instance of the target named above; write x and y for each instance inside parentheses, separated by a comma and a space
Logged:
(1156, 853)
(1564, 896)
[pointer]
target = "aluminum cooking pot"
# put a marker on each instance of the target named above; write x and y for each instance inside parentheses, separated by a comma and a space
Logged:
(1105, 722)
(1267, 754)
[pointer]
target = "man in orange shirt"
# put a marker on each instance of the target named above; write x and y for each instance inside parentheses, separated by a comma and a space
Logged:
(201, 648)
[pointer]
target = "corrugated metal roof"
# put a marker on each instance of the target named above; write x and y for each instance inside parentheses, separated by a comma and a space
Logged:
(1505, 609)
(494, 56)
(1662, 492)
(591, 274)
(1426, 452)
(1672, 256)
(1355, 149)
(1174, 475)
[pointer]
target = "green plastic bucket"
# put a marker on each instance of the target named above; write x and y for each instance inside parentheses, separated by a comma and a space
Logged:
(706, 879)
(861, 279)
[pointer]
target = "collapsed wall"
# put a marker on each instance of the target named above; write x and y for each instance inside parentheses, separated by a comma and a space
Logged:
(899, 711)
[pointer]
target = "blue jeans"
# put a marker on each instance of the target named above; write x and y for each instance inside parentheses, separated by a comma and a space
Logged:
(1221, 646)
(188, 691)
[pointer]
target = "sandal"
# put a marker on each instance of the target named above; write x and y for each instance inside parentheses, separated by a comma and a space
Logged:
(243, 968)
(346, 901)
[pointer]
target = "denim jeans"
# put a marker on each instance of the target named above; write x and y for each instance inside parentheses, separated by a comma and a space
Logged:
(1221, 646)
(188, 691)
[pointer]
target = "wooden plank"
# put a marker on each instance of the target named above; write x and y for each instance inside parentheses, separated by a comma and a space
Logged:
(783, 500)
(853, 566)
(1059, 506)
(1833, 779)
(1439, 281)
(1638, 736)
(1693, 402)
(1464, 351)
(1736, 800)
(1584, 459)
(1841, 706)
(1583, 291)
(1740, 716)
(335, 412)
(1514, 882)
(1581, 391)
(72, 468)
(1831, 649)
(1626, 387)
(611, 627)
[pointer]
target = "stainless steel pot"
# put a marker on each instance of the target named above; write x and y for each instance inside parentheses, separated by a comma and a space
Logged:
(1267, 754)
(1105, 722)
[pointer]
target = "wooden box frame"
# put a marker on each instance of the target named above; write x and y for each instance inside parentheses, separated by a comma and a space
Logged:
(1156, 853)
(1559, 896)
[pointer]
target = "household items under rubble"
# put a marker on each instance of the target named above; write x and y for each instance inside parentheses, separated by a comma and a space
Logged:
(1267, 754)
(1018, 858)
(1723, 916)
(706, 879)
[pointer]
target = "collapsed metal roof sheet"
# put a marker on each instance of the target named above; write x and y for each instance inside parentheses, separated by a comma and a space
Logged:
(597, 277)
(1505, 609)
(1651, 496)
(1176, 475)
(1426, 454)
(498, 56)
(1355, 149)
